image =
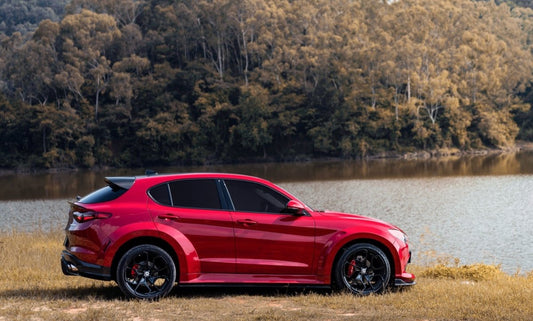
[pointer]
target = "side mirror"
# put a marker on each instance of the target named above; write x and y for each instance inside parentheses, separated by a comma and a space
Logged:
(295, 207)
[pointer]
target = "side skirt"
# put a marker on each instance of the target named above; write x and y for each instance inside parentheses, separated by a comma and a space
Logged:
(252, 279)
(254, 285)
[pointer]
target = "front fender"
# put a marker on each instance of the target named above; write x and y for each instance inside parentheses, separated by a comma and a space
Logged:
(341, 239)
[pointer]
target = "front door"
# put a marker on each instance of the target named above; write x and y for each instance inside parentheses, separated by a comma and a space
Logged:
(268, 241)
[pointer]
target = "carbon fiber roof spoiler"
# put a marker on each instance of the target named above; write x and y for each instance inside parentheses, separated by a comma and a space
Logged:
(124, 182)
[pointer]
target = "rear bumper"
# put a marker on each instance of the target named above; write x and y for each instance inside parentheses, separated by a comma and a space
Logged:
(71, 265)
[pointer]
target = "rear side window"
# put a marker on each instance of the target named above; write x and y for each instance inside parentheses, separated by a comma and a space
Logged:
(253, 197)
(161, 194)
(201, 193)
(105, 194)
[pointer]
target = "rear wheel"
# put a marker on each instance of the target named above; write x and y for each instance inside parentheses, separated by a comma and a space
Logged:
(363, 269)
(146, 272)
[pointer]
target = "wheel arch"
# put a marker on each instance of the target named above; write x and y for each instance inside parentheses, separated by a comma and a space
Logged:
(380, 245)
(141, 241)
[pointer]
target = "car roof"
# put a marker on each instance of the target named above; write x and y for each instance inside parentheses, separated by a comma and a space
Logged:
(126, 182)
(200, 175)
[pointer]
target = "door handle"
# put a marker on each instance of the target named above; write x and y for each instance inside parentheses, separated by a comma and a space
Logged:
(247, 222)
(169, 216)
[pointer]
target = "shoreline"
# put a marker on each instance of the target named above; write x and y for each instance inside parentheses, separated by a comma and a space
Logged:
(520, 146)
(435, 154)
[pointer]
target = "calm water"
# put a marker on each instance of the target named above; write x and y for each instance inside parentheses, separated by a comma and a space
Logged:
(477, 209)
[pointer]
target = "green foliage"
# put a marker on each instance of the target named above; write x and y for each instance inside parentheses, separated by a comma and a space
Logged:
(253, 116)
(150, 82)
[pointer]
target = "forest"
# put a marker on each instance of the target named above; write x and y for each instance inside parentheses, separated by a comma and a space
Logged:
(95, 83)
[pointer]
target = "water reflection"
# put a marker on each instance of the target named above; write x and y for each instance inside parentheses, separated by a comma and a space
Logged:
(70, 184)
(476, 219)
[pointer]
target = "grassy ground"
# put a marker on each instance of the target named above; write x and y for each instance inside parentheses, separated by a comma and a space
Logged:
(32, 287)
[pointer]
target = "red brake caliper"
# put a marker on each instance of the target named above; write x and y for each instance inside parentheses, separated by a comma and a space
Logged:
(351, 268)
(134, 270)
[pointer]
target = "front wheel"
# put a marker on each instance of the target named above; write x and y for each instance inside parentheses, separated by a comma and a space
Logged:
(146, 272)
(363, 269)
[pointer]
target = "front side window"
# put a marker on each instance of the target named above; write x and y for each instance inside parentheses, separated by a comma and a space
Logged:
(253, 197)
(202, 193)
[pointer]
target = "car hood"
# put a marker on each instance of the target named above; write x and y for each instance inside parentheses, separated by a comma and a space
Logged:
(355, 217)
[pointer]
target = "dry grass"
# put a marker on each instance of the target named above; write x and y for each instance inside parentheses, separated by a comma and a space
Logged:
(32, 287)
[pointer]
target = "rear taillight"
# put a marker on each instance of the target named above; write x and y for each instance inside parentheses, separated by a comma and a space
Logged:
(82, 214)
(82, 217)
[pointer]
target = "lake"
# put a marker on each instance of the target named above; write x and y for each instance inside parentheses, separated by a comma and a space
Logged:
(475, 209)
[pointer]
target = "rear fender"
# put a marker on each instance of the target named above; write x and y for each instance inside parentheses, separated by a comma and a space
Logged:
(121, 236)
(188, 261)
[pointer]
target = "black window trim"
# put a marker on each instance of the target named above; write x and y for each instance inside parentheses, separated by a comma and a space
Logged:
(169, 194)
(225, 198)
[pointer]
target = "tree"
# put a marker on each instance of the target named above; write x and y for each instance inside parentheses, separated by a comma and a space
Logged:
(87, 38)
(215, 80)
(125, 12)
(254, 115)
(24, 16)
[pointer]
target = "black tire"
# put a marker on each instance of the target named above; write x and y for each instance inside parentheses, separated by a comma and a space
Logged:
(146, 272)
(362, 269)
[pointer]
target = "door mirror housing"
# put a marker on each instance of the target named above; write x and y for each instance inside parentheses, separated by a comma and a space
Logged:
(295, 207)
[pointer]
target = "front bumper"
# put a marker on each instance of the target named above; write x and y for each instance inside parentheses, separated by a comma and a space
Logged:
(407, 279)
(71, 265)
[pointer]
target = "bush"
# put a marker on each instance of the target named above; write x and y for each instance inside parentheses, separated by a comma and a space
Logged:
(474, 272)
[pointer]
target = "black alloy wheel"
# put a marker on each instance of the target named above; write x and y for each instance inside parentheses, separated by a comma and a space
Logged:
(146, 272)
(363, 269)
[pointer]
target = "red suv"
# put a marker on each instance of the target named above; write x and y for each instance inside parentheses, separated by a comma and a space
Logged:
(149, 232)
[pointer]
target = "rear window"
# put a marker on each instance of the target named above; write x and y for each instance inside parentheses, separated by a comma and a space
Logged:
(105, 194)
(201, 193)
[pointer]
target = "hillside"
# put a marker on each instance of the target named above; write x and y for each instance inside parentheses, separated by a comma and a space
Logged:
(154, 82)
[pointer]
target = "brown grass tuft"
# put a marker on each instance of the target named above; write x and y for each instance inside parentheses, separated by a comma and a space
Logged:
(474, 272)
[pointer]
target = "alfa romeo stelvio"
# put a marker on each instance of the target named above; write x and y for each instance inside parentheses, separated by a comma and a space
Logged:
(148, 233)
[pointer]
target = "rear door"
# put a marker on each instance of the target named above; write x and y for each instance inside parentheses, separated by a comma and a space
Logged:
(193, 207)
(268, 241)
